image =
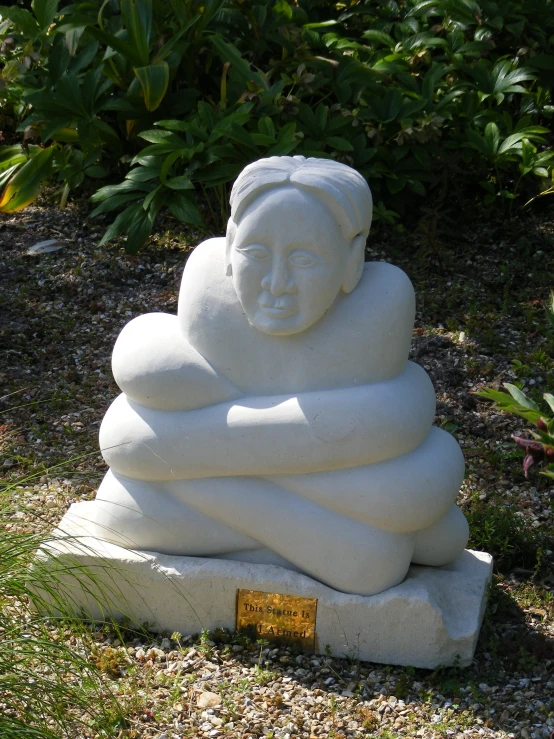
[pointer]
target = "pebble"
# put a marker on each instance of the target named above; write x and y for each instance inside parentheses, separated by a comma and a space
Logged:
(208, 699)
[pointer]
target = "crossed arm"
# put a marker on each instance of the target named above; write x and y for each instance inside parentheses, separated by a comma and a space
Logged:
(310, 432)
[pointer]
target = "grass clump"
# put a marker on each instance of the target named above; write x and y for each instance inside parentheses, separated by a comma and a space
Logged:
(48, 686)
(500, 531)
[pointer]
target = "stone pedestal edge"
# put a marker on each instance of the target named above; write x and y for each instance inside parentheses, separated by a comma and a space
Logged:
(431, 619)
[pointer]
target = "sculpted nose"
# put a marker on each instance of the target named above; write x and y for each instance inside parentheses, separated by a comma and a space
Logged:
(278, 281)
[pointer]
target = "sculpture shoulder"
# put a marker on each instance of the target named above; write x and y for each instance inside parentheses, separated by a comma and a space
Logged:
(207, 300)
(388, 280)
(383, 301)
(204, 280)
(206, 261)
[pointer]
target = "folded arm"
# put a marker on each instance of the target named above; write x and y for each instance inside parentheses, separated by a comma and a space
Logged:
(155, 366)
(310, 432)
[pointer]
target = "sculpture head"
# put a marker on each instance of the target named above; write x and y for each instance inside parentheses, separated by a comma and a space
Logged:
(296, 239)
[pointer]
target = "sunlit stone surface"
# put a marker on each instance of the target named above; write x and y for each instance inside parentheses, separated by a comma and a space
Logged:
(276, 419)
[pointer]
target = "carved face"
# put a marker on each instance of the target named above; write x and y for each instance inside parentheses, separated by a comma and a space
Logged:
(289, 260)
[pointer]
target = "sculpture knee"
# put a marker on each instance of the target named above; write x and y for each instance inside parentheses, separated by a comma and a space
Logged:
(142, 515)
(442, 542)
(378, 561)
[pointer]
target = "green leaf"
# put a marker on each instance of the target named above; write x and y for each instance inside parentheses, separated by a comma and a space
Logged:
(150, 197)
(82, 60)
(139, 231)
(417, 187)
(510, 141)
(96, 171)
(174, 125)
(238, 134)
(505, 402)
(283, 9)
(167, 48)
(12, 155)
(180, 183)
(72, 38)
(322, 24)
(230, 53)
(114, 202)
(151, 151)
(492, 137)
(154, 80)
(7, 172)
(137, 16)
(109, 190)
(521, 398)
(266, 126)
(121, 223)
(550, 400)
(25, 185)
(337, 142)
(260, 139)
(45, 12)
(476, 141)
(22, 19)
(548, 471)
(163, 137)
(142, 174)
(185, 210)
(53, 126)
(69, 95)
(122, 47)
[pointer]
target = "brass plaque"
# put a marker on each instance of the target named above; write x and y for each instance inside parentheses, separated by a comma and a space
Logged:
(285, 620)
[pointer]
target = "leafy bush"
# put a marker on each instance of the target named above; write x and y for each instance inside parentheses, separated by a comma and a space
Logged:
(428, 99)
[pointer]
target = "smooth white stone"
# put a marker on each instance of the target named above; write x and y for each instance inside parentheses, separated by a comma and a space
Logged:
(276, 418)
(432, 618)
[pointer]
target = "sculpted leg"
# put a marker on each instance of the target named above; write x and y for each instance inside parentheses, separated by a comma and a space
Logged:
(142, 515)
(338, 551)
(408, 493)
(444, 541)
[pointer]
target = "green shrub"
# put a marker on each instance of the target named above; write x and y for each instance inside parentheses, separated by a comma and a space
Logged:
(427, 99)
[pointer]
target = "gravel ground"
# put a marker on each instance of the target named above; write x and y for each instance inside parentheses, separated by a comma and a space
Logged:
(480, 322)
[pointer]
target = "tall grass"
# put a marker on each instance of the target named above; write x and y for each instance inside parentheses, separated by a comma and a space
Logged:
(48, 687)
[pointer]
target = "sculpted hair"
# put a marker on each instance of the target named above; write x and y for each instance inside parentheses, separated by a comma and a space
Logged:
(343, 190)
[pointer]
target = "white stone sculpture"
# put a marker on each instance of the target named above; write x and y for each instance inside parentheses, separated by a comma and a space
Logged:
(276, 419)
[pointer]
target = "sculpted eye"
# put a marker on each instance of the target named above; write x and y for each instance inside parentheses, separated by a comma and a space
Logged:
(255, 251)
(304, 259)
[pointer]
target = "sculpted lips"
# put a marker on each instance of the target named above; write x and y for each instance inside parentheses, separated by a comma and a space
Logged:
(277, 309)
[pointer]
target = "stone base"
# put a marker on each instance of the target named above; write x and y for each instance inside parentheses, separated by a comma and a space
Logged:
(431, 619)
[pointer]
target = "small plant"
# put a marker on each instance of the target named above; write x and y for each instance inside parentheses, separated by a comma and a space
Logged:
(264, 676)
(111, 660)
(539, 448)
(205, 646)
(368, 719)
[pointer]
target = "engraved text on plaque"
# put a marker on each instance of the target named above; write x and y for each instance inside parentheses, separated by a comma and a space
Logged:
(281, 619)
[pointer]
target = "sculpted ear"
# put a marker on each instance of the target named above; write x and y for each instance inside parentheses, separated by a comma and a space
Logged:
(355, 263)
(229, 238)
